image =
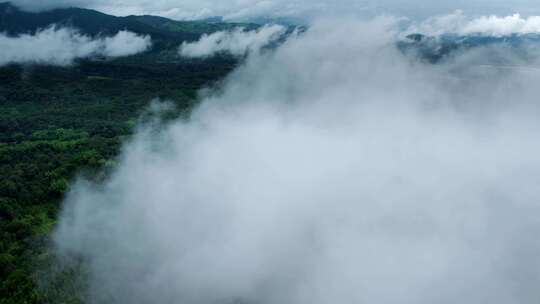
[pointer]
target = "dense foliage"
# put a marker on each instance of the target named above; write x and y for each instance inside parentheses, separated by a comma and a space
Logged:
(56, 122)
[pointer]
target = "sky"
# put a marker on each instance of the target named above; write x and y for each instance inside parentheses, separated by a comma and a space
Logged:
(303, 9)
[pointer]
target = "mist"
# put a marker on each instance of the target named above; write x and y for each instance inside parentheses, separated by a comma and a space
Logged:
(331, 169)
(62, 46)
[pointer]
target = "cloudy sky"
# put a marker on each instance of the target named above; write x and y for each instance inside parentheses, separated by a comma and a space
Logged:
(238, 9)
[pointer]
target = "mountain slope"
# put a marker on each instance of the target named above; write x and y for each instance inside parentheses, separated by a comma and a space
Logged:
(14, 21)
(437, 48)
(56, 121)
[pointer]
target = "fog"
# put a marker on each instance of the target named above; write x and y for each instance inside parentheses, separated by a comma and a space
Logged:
(332, 169)
(62, 46)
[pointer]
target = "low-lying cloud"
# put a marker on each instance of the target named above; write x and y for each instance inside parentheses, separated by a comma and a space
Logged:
(333, 169)
(125, 43)
(237, 42)
(61, 46)
(459, 23)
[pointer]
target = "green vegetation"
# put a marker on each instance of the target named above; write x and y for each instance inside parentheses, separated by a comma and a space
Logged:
(58, 122)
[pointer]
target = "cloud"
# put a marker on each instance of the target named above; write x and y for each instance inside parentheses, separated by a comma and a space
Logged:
(237, 42)
(333, 169)
(125, 43)
(61, 46)
(459, 23)
(502, 26)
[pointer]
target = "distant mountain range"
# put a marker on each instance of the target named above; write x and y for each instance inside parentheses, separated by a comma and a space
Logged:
(436, 48)
(167, 34)
(14, 21)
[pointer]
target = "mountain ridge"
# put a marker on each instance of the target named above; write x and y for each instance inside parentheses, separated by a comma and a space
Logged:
(14, 21)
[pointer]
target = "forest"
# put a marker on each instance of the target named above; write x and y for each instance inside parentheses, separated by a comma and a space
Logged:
(57, 123)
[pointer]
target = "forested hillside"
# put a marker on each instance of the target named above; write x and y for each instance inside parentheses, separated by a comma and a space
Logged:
(57, 121)
(14, 21)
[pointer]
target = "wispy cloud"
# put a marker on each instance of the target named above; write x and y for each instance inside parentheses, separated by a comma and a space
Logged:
(61, 46)
(492, 25)
(236, 42)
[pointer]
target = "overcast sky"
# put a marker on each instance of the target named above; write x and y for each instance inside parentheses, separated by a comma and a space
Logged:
(239, 9)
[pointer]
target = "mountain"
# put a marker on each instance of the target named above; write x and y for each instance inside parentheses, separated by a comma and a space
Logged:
(14, 21)
(166, 34)
(437, 48)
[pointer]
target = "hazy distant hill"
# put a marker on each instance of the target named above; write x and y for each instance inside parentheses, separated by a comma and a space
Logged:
(15, 21)
(166, 34)
(437, 48)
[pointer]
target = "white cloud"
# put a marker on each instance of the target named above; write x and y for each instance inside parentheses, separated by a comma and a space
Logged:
(125, 43)
(331, 170)
(501, 26)
(459, 23)
(237, 42)
(61, 46)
